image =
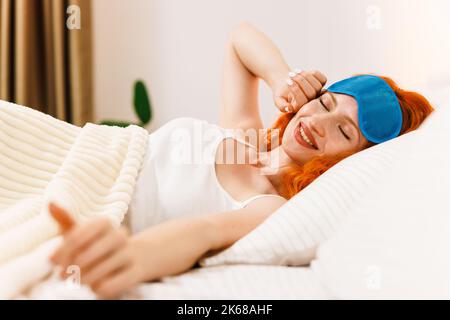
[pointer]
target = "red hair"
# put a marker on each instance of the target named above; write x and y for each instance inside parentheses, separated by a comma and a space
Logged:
(415, 108)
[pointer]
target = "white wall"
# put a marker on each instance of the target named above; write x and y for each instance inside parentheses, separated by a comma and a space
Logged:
(177, 47)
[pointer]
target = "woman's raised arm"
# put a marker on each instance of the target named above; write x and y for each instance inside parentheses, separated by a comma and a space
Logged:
(250, 55)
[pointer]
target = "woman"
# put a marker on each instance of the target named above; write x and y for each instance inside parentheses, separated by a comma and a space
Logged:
(317, 129)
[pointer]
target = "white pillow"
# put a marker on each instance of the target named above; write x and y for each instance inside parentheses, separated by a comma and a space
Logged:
(292, 234)
(397, 246)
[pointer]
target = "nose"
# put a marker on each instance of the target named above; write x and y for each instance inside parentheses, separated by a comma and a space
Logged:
(324, 124)
(317, 128)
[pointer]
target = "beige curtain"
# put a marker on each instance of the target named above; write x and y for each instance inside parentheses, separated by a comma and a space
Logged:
(44, 64)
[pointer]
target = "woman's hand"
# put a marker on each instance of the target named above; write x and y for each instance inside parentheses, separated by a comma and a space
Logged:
(108, 262)
(301, 87)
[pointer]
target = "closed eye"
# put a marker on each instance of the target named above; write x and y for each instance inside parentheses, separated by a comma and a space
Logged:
(323, 104)
(346, 136)
(340, 128)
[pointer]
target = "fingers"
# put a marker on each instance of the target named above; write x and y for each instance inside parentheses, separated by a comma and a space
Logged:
(304, 87)
(320, 76)
(80, 237)
(315, 83)
(61, 216)
(281, 102)
(111, 264)
(117, 283)
(299, 97)
(100, 249)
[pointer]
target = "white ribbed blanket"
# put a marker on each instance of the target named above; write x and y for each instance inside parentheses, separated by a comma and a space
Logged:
(90, 171)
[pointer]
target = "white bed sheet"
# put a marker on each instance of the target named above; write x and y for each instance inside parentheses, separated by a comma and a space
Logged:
(220, 282)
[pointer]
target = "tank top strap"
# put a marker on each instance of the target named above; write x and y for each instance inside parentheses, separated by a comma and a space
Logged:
(246, 202)
(228, 133)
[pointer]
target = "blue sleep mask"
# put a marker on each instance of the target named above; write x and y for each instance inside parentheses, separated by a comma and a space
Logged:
(379, 114)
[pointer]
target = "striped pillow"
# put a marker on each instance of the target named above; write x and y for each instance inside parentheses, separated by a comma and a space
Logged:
(398, 246)
(292, 234)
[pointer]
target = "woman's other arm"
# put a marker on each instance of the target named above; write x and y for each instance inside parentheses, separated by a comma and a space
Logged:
(175, 246)
(111, 262)
(250, 55)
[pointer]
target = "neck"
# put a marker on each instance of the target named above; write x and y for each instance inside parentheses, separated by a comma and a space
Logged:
(272, 164)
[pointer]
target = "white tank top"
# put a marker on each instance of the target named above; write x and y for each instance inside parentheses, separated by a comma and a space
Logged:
(178, 177)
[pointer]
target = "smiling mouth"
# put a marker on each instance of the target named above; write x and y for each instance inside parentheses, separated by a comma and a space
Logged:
(302, 137)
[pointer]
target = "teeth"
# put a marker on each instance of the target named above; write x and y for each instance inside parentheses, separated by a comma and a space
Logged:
(302, 133)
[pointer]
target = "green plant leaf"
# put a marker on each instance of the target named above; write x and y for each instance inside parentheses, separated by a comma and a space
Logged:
(116, 123)
(142, 105)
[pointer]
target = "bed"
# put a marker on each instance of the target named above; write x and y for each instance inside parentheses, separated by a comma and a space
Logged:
(374, 226)
(219, 282)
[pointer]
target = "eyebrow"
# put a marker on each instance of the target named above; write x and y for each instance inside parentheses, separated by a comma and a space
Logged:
(346, 116)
